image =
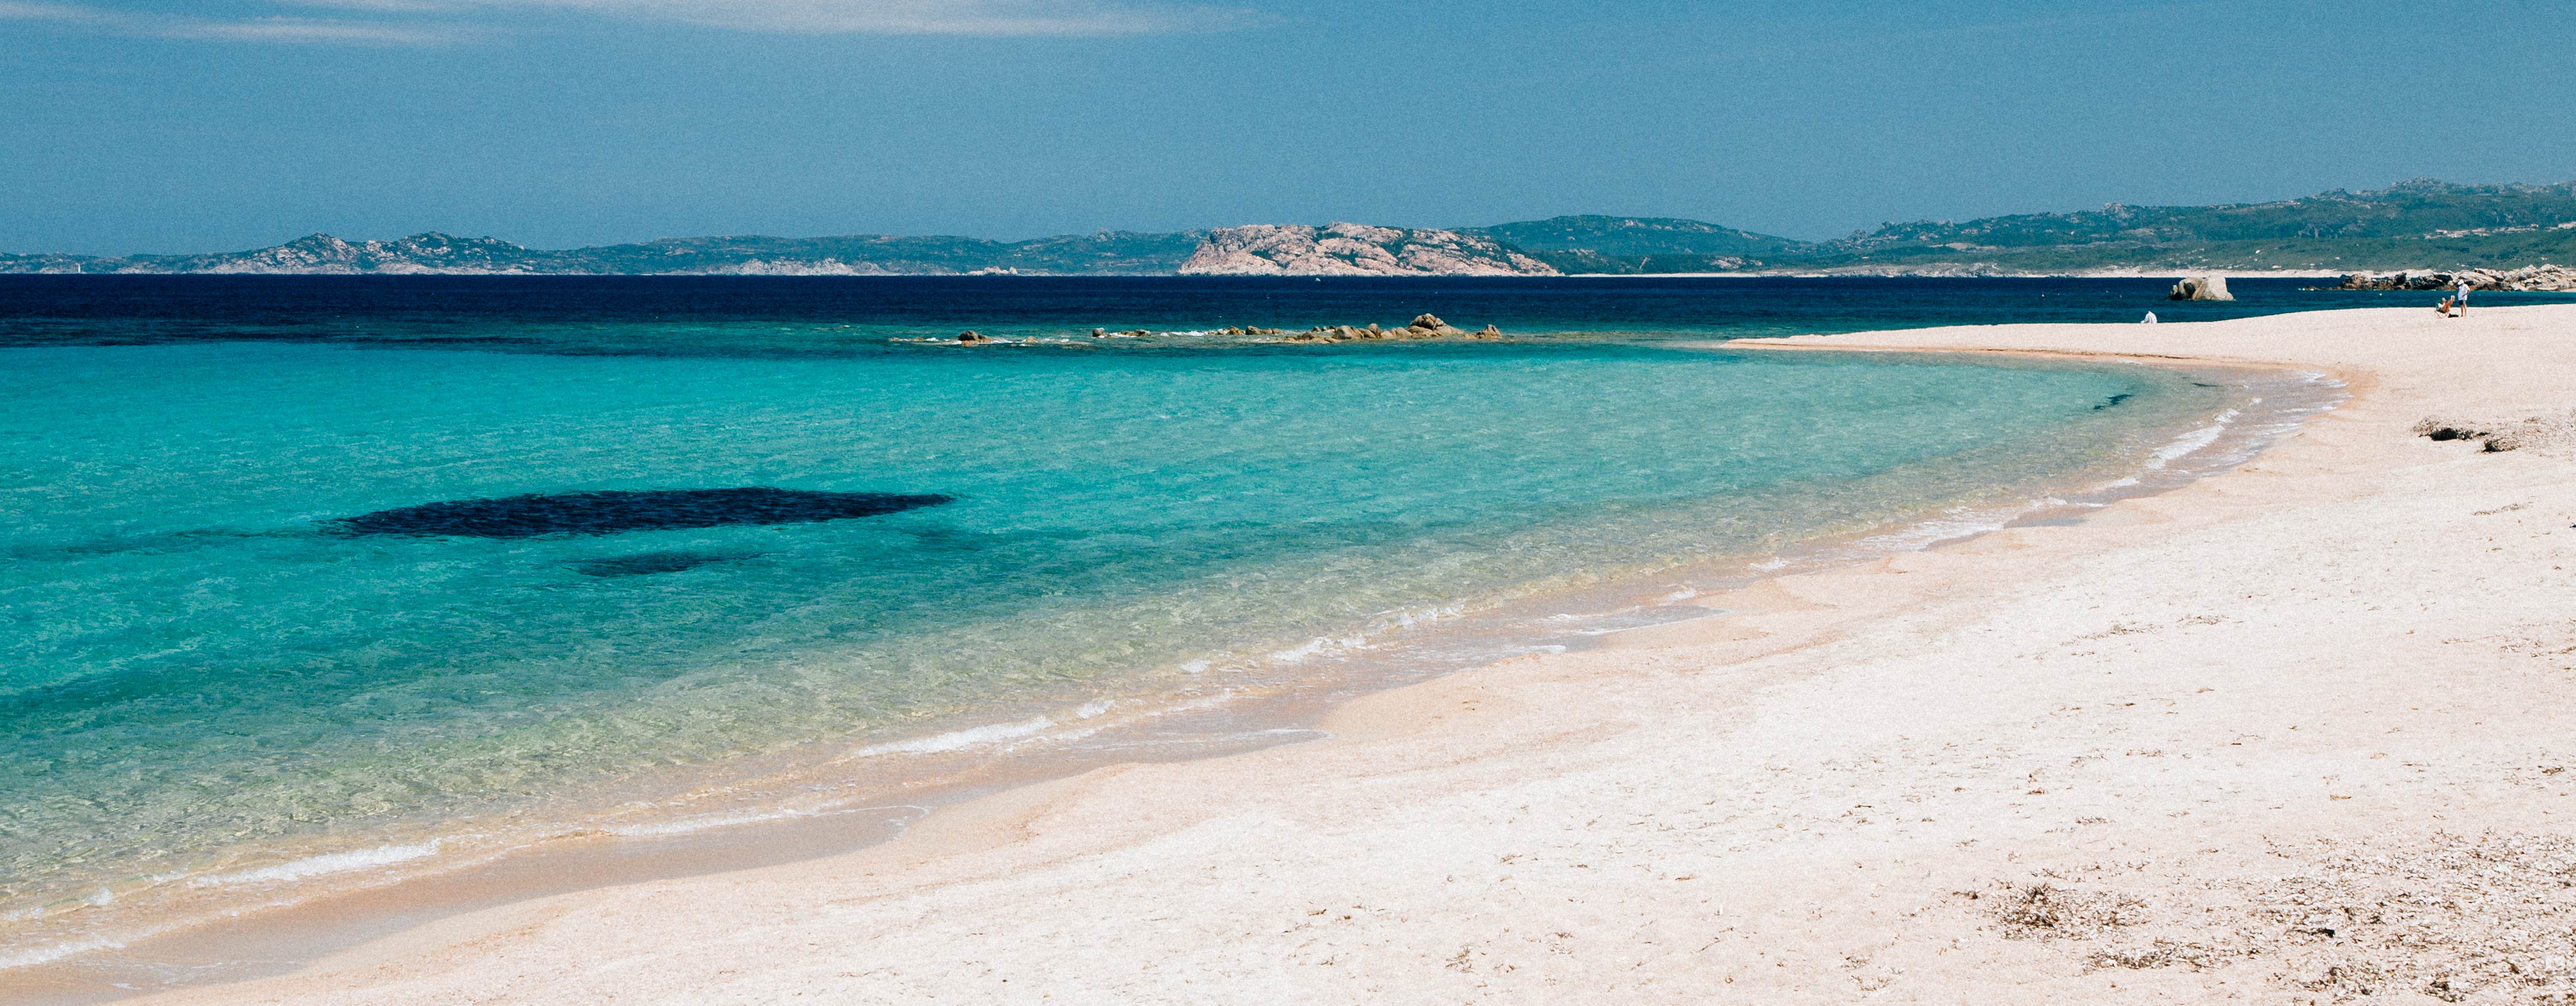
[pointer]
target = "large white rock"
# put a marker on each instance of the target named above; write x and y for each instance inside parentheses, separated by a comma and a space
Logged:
(2200, 288)
(1346, 249)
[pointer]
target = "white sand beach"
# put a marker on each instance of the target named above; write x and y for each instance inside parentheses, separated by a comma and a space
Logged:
(2299, 732)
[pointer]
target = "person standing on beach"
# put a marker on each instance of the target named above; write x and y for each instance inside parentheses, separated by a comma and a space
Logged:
(2460, 297)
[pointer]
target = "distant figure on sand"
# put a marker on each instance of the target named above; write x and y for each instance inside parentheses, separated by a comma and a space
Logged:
(2150, 319)
(2460, 298)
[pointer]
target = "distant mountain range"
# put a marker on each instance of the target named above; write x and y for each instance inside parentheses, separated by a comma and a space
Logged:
(2412, 225)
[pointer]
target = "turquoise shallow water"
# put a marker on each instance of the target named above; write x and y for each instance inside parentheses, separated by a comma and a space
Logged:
(194, 668)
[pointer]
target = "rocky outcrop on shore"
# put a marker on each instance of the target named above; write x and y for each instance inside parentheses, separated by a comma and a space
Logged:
(2531, 278)
(1346, 249)
(1426, 326)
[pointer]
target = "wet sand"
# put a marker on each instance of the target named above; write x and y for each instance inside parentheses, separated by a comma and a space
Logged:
(2293, 732)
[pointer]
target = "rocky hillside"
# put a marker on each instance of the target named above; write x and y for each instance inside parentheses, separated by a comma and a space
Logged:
(2414, 224)
(2420, 225)
(1598, 244)
(1355, 250)
(1105, 253)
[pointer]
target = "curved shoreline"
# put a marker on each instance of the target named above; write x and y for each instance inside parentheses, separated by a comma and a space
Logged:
(397, 886)
(1391, 740)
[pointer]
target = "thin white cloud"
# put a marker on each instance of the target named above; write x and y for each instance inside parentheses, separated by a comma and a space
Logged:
(918, 17)
(51, 12)
(445, 22)
(293, 29)
(264, 29)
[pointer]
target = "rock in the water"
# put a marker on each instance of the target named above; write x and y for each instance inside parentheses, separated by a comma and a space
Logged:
(971, 337)
(2201, 288)
(1423, 327)
(1428, 324)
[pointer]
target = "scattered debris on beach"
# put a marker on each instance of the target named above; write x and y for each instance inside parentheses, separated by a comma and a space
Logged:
(2459, 918)
(2534, 433)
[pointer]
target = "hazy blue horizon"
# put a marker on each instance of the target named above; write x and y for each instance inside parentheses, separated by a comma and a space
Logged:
(152, 126)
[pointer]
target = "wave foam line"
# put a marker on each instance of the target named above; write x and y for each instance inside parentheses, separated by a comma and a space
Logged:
(2189, 443)
(55, 952)
(323, 865)
(990, 733)
(709, 822)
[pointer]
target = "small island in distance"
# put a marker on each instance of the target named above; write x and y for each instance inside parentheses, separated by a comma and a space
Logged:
(2415, 225)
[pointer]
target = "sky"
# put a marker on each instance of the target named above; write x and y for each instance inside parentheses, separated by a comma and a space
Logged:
(163, 126)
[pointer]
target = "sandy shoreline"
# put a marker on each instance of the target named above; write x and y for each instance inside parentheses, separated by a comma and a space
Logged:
(2291, 732)
(2137, 272)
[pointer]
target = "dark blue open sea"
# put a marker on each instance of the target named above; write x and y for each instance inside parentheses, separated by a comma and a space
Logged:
(312, 581)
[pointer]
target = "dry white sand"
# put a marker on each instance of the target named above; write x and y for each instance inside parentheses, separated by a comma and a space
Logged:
(2293, 733)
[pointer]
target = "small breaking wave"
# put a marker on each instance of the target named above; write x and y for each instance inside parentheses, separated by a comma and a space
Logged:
(324, 865)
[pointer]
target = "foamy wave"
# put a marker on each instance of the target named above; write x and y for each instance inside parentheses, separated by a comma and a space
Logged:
(2192, 442)
(685, 825)
(709, 822)
(55, 952)
(316, 866)
(1316, 646)
(1407, 619)
(955, 740)
(1960, 523)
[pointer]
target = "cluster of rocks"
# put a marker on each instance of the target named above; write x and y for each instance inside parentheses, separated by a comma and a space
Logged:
(2535, 278)
(2200, 288)
(1423, 327)
(1102, 333)
(1427, 326)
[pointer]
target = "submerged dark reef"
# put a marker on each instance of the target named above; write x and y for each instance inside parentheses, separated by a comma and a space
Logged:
(614, 512)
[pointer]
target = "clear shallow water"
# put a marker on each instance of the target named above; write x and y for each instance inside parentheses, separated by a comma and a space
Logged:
(200, 681)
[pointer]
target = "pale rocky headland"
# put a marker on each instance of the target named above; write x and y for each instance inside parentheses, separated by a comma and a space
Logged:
(2296, 733)
(2534, 278)
(1346, 249)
